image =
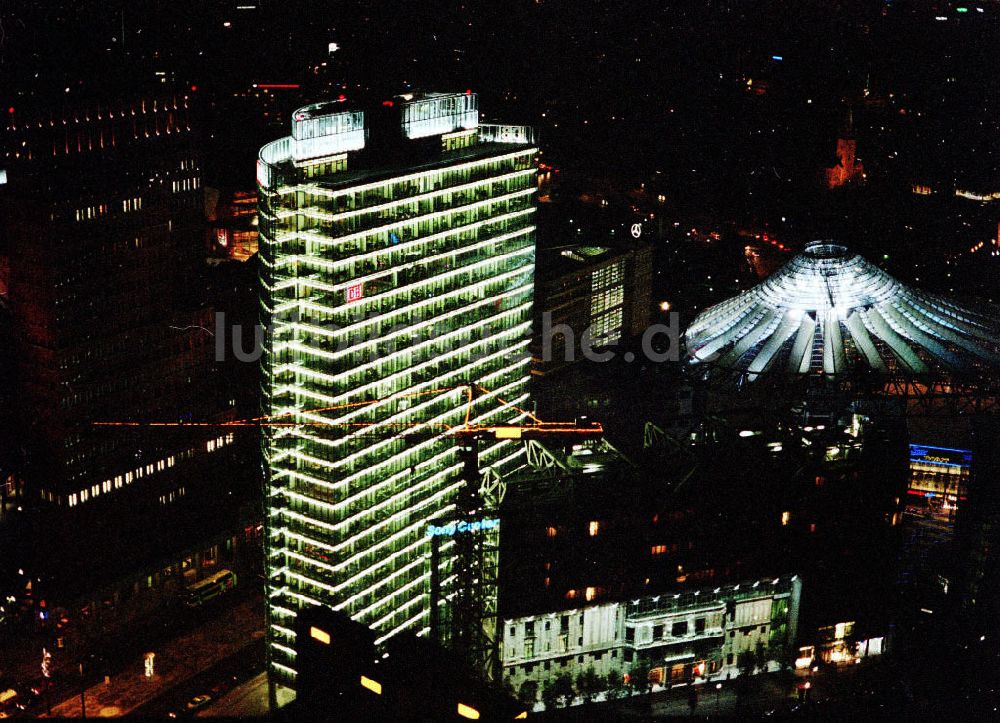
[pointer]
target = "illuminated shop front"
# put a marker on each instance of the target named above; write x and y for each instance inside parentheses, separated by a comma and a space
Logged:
(939, 476)
(397, 249)
(841, 644)
(694, 636)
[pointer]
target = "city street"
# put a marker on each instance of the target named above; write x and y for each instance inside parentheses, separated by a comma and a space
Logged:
(245, 701)
(764, 695)
(176, 661)
(209, 685)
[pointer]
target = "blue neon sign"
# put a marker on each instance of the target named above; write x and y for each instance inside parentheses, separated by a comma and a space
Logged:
(945, 456)
(461, 528)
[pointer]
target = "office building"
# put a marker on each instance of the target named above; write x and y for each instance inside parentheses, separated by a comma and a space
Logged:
(104, 232)
(233, 215)
(694, 636)
(103, 216)
(605, 291)
(397, 248)
(597, 543)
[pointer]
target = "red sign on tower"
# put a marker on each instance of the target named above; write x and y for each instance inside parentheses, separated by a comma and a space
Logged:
(354, 292)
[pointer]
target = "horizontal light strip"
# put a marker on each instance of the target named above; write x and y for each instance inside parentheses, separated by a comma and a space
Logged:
(358, 391)
(318, 190)
(309, 281)
(303, 348)
(282, 326)
(403, 245)
(449, 451)
(284, 667)
(408, 604)
(334, 464)
(419, 560)
(368, 531)
(398, 628)
(283, 648)
(319, 238)
(300, 596)
(294, 534)
(427, 195)
(298, 368)
(387, 482)
(430, 280)
(395, 593)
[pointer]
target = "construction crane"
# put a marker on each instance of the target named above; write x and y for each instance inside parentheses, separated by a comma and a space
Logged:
(463, 616)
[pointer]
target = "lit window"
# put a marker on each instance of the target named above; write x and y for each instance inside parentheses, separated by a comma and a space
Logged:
(786, 517)
(550, 532)
(320, 635)
(594, 527)
(658, 549)
(591, 593)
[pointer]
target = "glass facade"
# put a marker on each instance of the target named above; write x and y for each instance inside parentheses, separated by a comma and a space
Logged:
(606, 302)
(385, 294)
(830, 311)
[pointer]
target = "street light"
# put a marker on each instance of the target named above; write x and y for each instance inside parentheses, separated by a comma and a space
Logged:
(83, 694)
(718, 691)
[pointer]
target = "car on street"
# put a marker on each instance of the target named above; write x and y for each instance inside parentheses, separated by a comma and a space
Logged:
(197, 702)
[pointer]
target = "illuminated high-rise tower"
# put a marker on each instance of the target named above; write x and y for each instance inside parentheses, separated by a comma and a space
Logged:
(397, 248)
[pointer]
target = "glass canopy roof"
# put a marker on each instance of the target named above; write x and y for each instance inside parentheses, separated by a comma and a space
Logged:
(829, 311)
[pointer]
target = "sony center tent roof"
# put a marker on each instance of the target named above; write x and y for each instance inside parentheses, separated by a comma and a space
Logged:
(829, 311)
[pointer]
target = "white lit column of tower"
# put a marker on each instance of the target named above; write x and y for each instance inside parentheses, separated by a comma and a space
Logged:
(397, 265)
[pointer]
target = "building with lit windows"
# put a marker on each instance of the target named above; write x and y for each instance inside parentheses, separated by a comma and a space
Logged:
(397, 247)
(693, 636)
(103, 215)
(939, 476)
(102, 218)
(605, 290)
(598, 544)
